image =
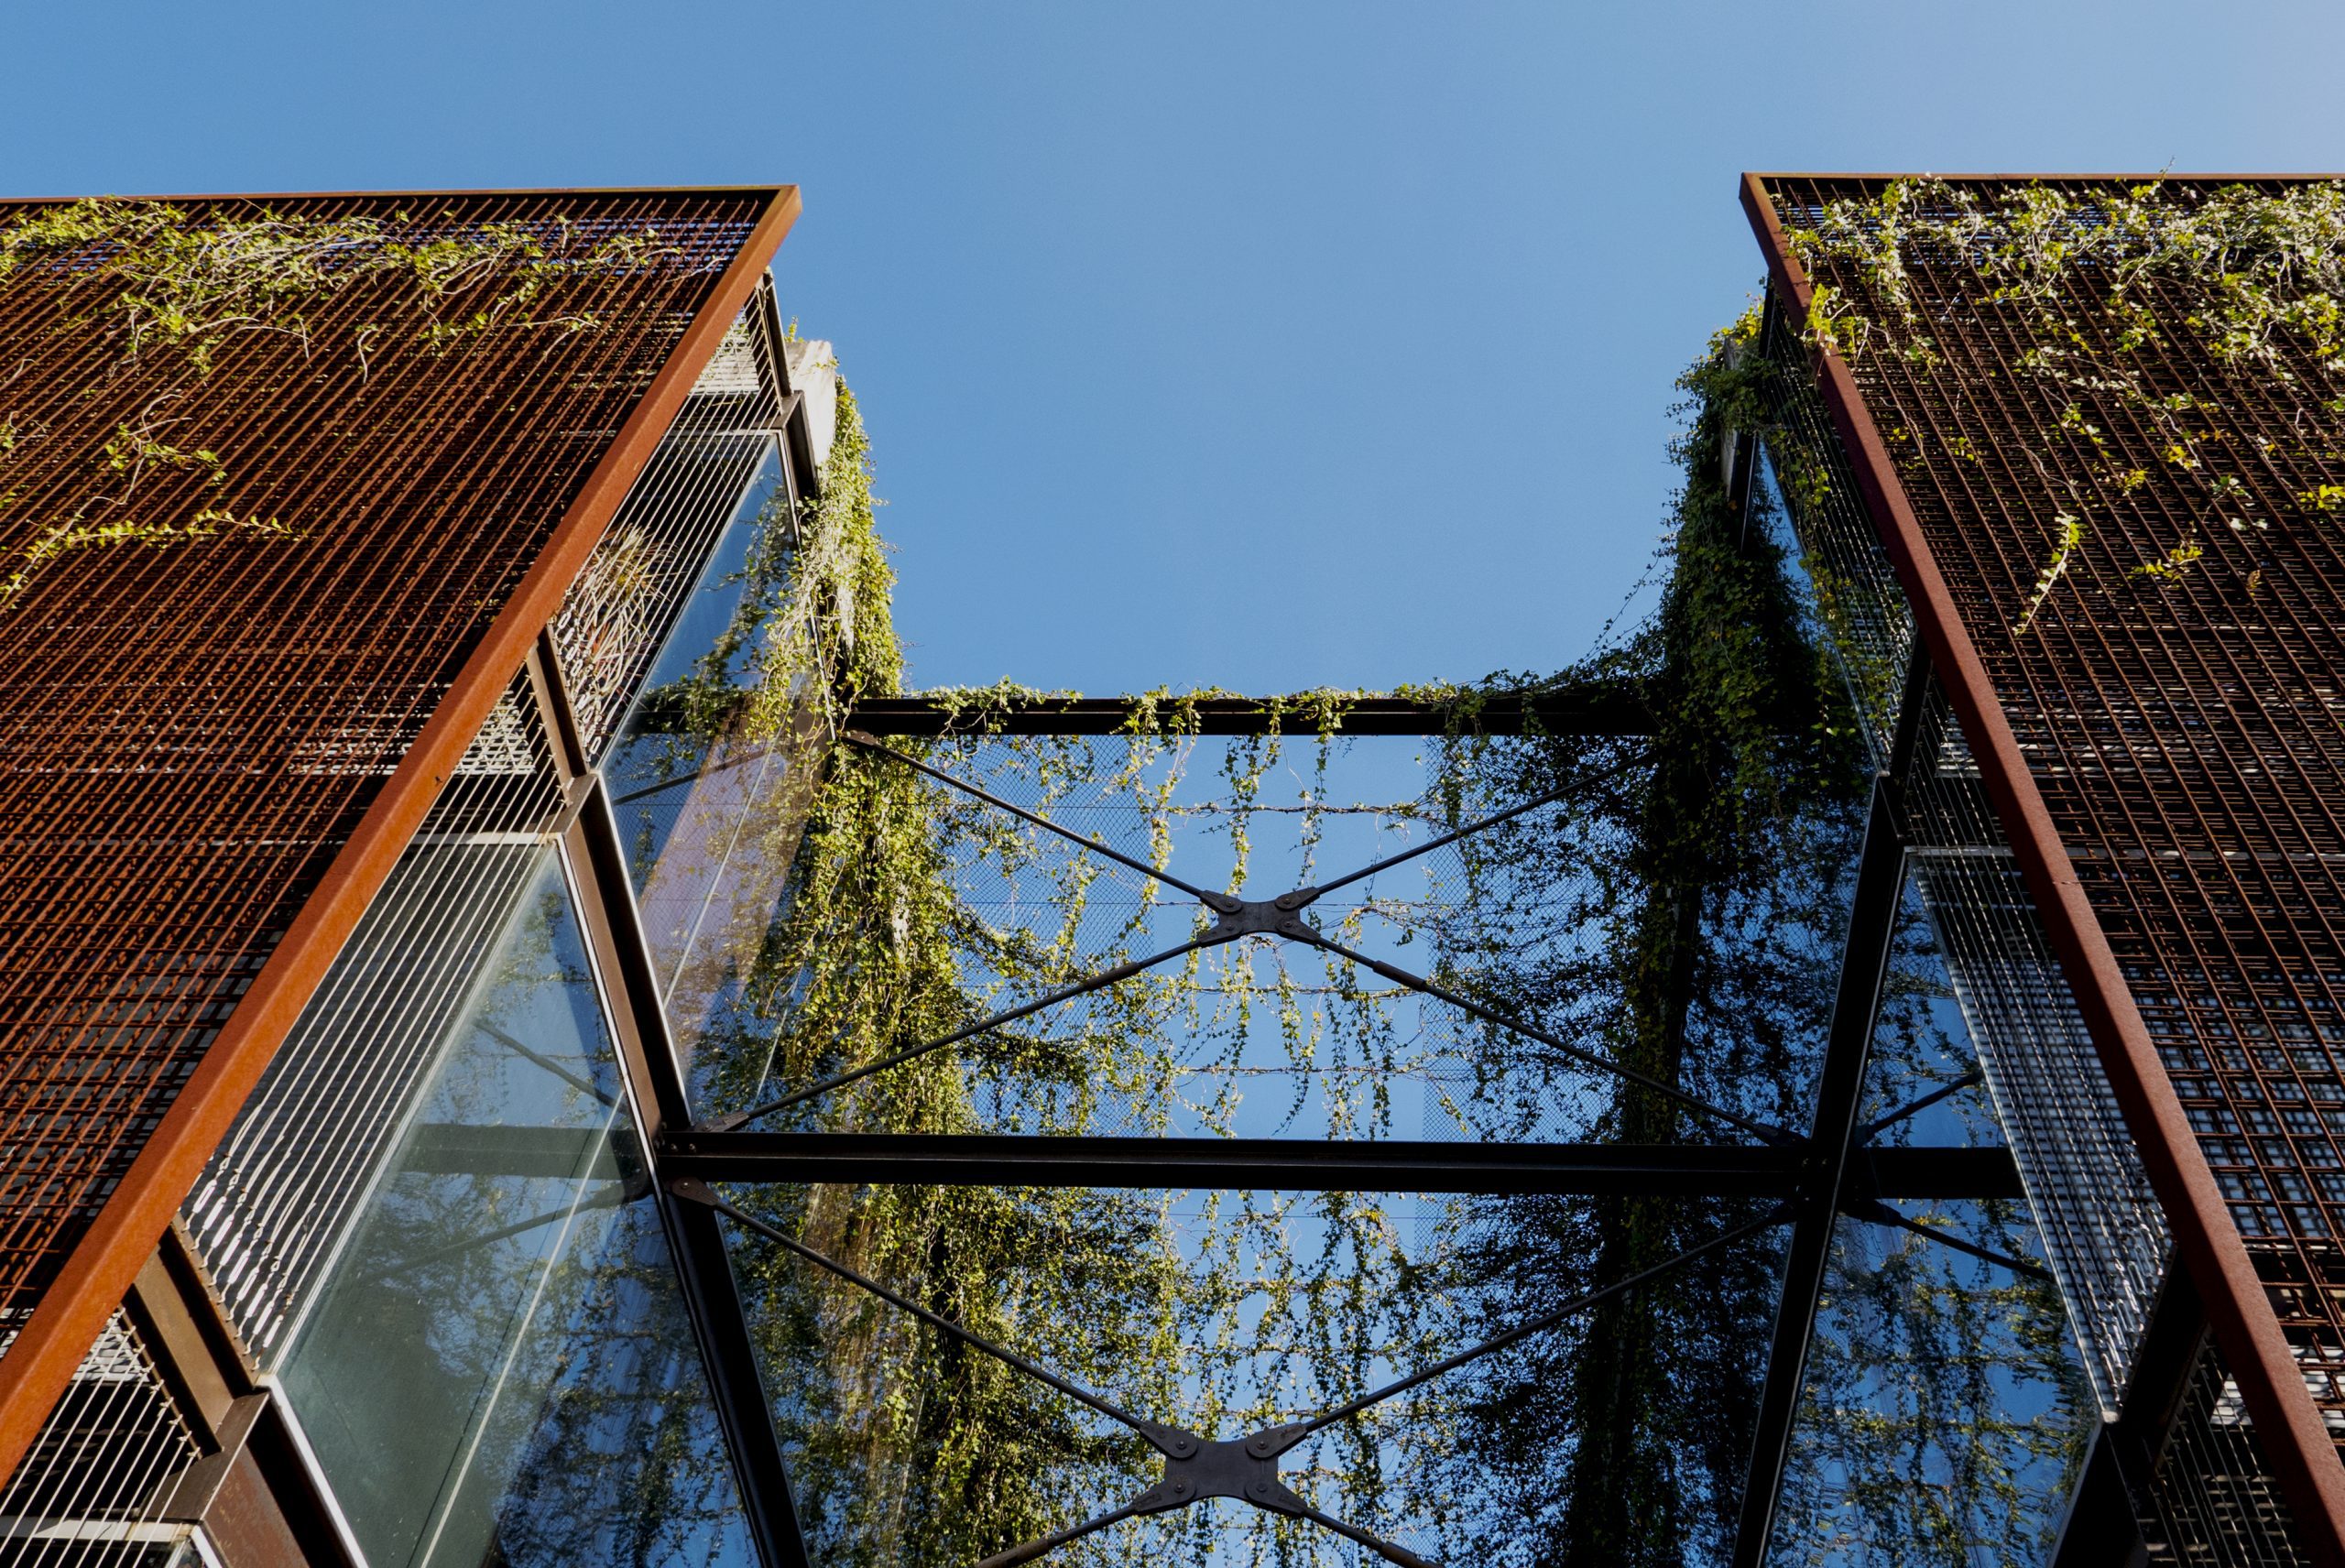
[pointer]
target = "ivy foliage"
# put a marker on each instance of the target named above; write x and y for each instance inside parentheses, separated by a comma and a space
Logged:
(1683, 911)
(2093, 296)
(172, 290)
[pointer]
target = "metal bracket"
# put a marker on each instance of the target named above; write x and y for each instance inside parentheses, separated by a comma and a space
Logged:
(1225, 1469)
(1266, 916)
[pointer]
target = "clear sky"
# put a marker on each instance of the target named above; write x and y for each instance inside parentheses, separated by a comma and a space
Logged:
(1265, 345)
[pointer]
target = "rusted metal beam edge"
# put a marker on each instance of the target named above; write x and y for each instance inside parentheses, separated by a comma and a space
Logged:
(2303, 1454)
(40, 1362)
(2168, 177)
(771, 192)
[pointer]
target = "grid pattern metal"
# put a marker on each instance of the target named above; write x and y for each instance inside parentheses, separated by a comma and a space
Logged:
(279, 1195)
(2103, 1231)
(93, 1491)
(2099, 1223)
(187, 734)
(2184, 737)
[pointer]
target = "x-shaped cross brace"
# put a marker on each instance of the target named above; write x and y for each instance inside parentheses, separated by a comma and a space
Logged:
(1245, 1469)
(1196, 1468)
(1236, 918)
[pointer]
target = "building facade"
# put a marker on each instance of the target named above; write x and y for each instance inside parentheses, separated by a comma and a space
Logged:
(344, 532)
(2060, 454)
(433, 666)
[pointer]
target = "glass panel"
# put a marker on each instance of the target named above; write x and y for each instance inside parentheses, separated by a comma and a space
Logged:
(1947, 1408)
(707, 800)
(500, 1369)
(966, 910)
(1946, 1411)
(1219, 1313)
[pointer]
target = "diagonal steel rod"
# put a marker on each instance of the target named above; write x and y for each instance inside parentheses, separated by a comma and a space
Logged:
(1470, 829)
(1220, 903)
(1914, 1107)
(1375, 1544)
(539, 1059)
(610, 1197)
(1279, 1438)
(736, 760)
(880, 1064)
(1056, 1539)
(1882, 1215)
(694, 1190)
(1443, 992)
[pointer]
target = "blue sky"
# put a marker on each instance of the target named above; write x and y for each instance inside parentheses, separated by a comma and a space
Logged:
(1264, 345)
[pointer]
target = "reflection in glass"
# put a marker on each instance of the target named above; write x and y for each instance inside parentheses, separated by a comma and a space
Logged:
(501, 1368)
(1946, 1408)
(702, 777)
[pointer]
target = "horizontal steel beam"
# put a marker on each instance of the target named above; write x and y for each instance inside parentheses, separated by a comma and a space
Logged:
(446, 1149)
(989, 1159)
(1607, 709)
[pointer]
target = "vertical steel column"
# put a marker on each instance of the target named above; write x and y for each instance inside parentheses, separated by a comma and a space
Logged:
(712, 1295)
(1847, 1047)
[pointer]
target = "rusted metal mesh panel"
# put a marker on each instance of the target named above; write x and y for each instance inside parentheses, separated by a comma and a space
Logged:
(2183, 725)
(2090, 1197)
(618, 613)
(266, 472)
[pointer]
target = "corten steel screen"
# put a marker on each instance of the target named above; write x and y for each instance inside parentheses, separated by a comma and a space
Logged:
(2183, 732)
(190, 724)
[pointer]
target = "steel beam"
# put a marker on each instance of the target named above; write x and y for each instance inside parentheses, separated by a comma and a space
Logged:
(1864, 966)
(1612, 708)
(1218, 1164)
(712, 1296)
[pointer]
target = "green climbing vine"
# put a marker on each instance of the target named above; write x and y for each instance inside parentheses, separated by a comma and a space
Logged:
(173, 291)
(2098, 293)
(1683, 911)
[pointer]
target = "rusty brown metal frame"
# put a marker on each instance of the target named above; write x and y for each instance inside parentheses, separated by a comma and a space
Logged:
(2297, 1443)
(107, 1258)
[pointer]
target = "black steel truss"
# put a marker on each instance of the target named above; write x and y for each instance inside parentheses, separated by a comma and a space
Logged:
(1609, 708)
(1836, 1169)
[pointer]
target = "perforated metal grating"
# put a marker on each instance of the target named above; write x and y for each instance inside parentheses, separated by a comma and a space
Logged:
(321, 522)
(2185, 735)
